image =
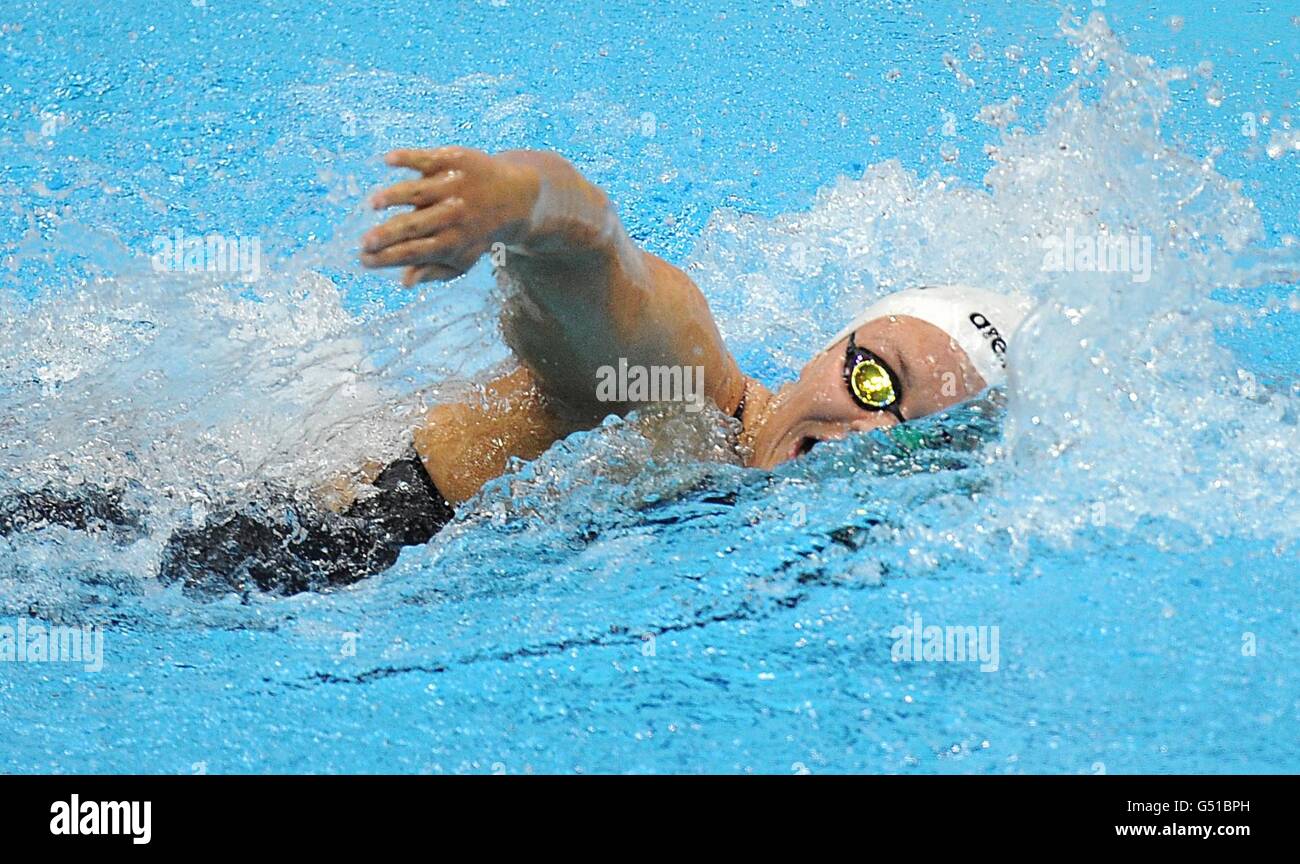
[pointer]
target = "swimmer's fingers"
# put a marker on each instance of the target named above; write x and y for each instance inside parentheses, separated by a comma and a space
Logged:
(447, 249)
(424, 222)
(465, 201)
(417, 193)
(429, 162)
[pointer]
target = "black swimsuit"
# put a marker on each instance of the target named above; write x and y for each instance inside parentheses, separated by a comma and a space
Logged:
(279, 543)
(282, 545)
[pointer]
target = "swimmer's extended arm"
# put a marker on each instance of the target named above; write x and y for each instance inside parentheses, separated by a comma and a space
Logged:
(586, 295)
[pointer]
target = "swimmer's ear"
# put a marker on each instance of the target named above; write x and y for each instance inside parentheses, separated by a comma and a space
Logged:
(428, 273)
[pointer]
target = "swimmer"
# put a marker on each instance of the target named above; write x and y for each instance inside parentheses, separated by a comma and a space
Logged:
(583, 296)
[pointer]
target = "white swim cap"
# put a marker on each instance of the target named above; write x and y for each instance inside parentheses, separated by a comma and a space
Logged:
(980, 322)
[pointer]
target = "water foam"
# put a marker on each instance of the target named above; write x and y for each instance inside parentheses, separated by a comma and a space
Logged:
(1123, 406)
(1123, 412)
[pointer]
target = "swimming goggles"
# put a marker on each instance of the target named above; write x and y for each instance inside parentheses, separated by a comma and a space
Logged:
(872, 384)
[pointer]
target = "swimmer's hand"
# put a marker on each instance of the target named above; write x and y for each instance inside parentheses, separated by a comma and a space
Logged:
(465, 201)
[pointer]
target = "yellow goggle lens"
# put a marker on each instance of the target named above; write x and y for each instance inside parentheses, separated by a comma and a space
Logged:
(871, 384)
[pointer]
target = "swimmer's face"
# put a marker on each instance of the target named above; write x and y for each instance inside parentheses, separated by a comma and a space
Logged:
(932, 373)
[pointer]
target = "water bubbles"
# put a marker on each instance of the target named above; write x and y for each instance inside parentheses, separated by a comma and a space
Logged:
(868, 572)
(1281, 142)
(1000, 115)
(954, 66)
(1111, 361)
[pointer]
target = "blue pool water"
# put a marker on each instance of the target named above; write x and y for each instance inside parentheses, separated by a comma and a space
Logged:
(1125, 514)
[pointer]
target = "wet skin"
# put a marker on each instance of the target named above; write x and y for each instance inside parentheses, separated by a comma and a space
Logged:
(933, 373)
(585, 296)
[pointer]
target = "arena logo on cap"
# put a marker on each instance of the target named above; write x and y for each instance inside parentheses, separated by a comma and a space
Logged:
(990, 333)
